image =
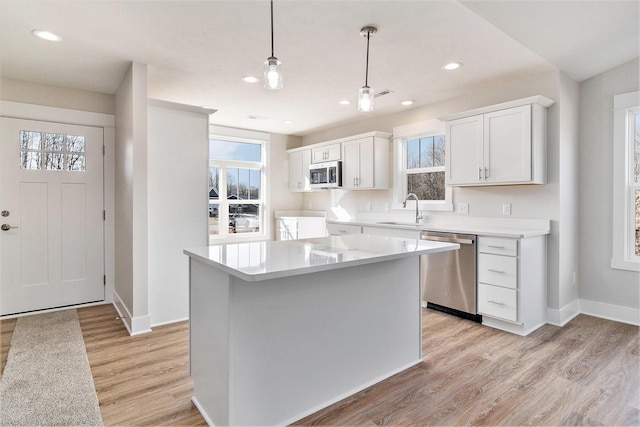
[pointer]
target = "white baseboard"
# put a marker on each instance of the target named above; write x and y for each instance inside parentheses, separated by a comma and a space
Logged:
(168, 322)
(562, 316)
(617, 313)
(603, 310)
(135, 326)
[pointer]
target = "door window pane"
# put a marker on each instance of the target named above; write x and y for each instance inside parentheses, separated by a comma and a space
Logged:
(53, 142)
(30, 140)
(75, 144)
(53, 161)
(636, 148)
(76, 162)
(30, 159)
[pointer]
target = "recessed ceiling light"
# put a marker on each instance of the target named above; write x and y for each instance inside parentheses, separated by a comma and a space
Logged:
(407, 102)
(249, 79)
(288, 122)
(452, 66)
(46, 35)
(344, 102)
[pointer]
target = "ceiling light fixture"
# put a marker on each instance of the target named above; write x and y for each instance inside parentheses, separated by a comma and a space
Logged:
(272, 75)
(365, 94)
(249, 79)
(407, 102)
(452, 66)
(344, 102)
(46, 35)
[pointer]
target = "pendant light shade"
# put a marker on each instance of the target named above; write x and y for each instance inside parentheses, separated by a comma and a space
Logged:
(272, 70)
(365, 94)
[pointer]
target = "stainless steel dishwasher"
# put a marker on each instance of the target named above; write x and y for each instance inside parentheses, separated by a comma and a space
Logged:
(449, 278)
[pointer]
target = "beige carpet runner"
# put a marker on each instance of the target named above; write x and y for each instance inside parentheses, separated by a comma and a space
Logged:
(47, 380)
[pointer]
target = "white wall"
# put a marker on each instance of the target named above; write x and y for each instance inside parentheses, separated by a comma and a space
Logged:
(55, 96)
(598, 281)
(131, 261)
(177, 194)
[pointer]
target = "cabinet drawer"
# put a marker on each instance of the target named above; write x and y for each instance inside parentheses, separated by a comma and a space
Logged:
(498, 270)
(498, 302)
(341, 229)
(496, 245)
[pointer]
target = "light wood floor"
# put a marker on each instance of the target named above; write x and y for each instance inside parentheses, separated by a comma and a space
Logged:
(586, 373)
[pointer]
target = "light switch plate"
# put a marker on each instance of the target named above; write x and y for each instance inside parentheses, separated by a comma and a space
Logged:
(463, 208)
(506, 209)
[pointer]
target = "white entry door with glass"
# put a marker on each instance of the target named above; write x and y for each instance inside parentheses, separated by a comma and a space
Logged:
(52, 223)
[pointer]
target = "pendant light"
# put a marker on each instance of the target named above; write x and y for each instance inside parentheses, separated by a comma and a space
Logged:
(272, 74)
(365, 94)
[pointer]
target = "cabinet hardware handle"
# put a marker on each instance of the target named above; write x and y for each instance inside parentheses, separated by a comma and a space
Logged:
(486, 173)
(7, 227)
(342, 231)
(495, 247)
(479, 174)
(495, 271)
(495, 302)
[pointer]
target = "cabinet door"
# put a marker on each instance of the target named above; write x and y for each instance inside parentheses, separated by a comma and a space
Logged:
(299, 162)
(326, 153)
(366, 157)
(464, 151)
(507, 150)
(350, 164)
(318, 155)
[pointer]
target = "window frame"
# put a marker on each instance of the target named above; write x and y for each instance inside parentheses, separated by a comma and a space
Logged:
(402, 134)
(224, 203)
(624, 188)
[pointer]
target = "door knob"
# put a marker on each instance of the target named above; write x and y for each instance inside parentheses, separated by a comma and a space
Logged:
(6, 227)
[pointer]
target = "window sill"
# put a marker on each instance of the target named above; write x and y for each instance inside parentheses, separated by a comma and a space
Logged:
(625, 265)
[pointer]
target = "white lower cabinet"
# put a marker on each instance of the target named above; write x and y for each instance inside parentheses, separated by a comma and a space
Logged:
(393, 232)
(512, 283)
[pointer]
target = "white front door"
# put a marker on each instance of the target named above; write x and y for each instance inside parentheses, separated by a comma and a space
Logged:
(51, 211)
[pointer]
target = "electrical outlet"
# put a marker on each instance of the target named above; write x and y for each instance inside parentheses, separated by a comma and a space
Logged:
(369, 207)
(506, 209)
(386, 207)
(463, 208)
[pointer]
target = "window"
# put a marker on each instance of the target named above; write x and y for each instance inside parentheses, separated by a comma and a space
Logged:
(626, 179)
(51, 151)
(236, 183)
(420, 165)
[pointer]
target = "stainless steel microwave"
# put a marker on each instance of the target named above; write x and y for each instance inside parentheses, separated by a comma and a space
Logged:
(326, 174)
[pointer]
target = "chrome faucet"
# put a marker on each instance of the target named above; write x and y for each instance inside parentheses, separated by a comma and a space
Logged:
(414, 197)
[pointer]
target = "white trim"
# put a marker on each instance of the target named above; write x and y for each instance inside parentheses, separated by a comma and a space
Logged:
(177, 106)
(135, 326)
(616, 313)
(622, 257)
(170, 322)
(19, 110)
(200, 409)
(562, 316)
(537, 99)
(51, 310)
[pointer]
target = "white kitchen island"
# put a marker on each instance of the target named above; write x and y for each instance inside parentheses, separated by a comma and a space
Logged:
(281, 329)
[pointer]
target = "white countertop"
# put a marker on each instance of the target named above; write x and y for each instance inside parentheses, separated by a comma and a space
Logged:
(467, 228)
(255, 261)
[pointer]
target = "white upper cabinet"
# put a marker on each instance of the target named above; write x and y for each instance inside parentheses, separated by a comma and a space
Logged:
(299, 162)
(365, 163)
(505, 144)
(325, 153)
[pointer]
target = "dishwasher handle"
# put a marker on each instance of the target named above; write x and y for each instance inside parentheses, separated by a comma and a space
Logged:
(448, 239)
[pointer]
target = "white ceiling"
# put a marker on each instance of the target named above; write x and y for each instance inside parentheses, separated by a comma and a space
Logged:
(197, 51)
